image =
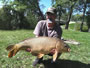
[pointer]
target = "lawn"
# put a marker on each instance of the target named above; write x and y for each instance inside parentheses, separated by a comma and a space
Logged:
(79, 57)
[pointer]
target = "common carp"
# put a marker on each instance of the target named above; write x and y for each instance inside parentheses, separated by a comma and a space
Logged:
(40, 46)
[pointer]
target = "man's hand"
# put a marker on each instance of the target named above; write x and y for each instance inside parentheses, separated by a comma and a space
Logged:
(28, 50)
(52, 51)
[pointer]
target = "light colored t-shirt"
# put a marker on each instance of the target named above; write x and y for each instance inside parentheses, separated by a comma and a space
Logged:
(42, 30)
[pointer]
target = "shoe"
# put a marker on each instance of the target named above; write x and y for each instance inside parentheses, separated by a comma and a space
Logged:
(37, 60)
(40, 60)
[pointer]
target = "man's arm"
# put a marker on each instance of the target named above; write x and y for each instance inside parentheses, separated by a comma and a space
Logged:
(37, 30)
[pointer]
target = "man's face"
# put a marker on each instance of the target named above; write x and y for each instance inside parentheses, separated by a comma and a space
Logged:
(50, 16)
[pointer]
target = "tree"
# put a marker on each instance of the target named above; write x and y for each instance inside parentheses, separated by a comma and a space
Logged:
(70, 14)
(20, 11)
(60, 11)
(88, 21)
(5, 17)
(82, 8)
(88, 15)
(68, 5)
(84, 11)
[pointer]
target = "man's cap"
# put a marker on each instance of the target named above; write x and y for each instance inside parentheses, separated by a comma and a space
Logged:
(51, 10)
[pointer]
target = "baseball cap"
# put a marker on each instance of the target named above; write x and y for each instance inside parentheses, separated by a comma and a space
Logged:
(51, 10)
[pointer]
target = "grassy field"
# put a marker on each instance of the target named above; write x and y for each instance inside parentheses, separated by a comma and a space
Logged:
(79, 57)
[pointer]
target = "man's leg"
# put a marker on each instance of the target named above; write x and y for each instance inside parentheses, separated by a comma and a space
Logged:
(37, 60)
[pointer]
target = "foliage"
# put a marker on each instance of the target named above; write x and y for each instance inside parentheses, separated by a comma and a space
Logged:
(69, 9)
(5, 17)
(76, 17)
(72, 7)
(31, 18)
(22, 14)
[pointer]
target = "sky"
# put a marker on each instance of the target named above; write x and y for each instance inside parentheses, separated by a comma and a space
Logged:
(0, 4)
(46, 3)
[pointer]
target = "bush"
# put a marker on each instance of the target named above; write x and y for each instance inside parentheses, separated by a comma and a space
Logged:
(32, 20)
(16, 19)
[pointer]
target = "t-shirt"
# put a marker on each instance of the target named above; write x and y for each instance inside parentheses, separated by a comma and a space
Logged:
(42, 30)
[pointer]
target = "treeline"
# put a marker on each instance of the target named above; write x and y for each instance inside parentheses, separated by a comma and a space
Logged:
(68, 9)
(24, 14)
(20, 14)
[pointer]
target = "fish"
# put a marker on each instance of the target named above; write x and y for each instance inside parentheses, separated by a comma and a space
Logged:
(39, 46)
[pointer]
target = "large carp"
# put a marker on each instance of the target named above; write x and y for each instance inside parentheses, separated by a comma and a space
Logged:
(40, 46)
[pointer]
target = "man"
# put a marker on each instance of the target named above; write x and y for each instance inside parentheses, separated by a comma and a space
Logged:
(48, 28)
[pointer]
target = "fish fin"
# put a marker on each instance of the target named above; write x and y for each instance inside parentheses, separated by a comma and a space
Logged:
(11, 54)
(10, 47)
(55, 55)
(40, 55)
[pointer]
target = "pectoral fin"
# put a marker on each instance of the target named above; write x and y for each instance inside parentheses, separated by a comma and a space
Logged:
(55, 55)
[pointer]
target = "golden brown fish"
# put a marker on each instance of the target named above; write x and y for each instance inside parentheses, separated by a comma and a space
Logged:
(39, 47)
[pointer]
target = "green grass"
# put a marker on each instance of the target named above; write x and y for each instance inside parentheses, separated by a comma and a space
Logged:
(76, 26)
(79, 52)
(79, 57)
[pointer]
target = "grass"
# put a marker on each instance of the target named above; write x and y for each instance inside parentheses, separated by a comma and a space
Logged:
(79, 57)
(76, 26)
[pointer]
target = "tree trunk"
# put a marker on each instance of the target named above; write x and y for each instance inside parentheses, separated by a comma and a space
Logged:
(84, 10)
(69, 17)
(88, 29)
(40, 12)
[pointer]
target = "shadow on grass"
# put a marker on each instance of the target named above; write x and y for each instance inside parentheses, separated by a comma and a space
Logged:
(64, 64)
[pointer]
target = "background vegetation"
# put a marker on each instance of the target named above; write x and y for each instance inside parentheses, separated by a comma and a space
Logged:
(20, 14)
